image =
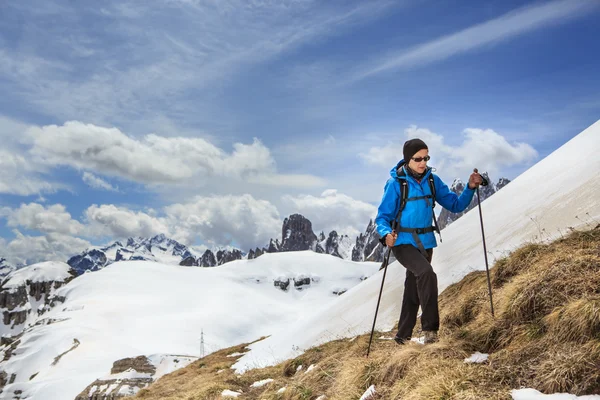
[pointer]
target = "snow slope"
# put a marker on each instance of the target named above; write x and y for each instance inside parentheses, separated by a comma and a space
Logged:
(138, 308)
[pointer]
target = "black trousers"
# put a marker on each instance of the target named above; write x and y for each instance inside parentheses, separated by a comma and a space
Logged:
(420, 288)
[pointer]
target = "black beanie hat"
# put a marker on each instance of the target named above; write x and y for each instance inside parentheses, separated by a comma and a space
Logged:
(411, 147)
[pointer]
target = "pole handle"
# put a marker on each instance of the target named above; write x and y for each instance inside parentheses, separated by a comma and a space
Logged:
(485, 181)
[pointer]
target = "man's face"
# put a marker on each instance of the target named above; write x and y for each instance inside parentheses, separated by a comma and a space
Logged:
(421, 166)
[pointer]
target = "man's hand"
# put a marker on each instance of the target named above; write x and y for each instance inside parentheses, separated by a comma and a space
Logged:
(475, 180)
(390, 239)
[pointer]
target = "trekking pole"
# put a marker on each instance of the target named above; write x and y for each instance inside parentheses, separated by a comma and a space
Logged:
(485, 183)
(384, 266)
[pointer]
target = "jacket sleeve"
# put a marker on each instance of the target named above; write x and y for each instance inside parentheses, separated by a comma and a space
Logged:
(449, 200)
(388, 208)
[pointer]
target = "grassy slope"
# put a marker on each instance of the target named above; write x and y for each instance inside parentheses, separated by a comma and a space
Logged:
(546, 335)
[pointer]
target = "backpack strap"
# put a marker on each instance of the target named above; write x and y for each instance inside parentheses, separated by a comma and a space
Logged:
(432, 188)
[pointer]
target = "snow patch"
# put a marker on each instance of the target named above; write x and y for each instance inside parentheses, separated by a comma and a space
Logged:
(369, 393)
(229, 393)
(477, 358)
(261, 383)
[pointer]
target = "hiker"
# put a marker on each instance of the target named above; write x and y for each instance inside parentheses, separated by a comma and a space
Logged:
(413, 240)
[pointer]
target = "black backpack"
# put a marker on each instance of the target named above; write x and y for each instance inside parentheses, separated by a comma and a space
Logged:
(404, 198)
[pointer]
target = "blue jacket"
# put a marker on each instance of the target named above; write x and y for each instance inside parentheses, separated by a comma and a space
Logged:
(417, 213)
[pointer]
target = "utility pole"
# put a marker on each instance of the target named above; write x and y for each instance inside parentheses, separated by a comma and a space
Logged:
(201, 343)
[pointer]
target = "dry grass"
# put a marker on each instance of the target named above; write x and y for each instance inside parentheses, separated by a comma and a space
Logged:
(546, 335)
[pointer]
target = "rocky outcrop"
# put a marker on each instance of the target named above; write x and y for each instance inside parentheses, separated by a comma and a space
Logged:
(225, 256)
(129, 375)
(282, 283)
(501, 183)
(140, 364)
(368, 247)
(17, 299)
(300, 282)
(207, 260)
(189, 262)
(297, 234)
(91, 260)
(337, 245)
(274, 246)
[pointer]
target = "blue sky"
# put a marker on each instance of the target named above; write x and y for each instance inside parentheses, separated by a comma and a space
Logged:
(212, 121)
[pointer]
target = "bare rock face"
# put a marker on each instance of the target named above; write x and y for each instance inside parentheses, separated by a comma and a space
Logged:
(333, 245)
(274, 246)
(300, 282)
(130, 375)
(368, 247)
(92, 260)
(15, 303)
(140, 364)
(282, 284)
(208, 259)
(297, 234)
(225, 256)
(189, 261)
(501, 183)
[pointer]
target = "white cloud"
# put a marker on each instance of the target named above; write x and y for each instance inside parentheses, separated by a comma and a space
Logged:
(154, 159)
(97, 183)
(512, 24)
(55, 246)
(218, 220)
(51, 219)
(334, 211)
(121, 222)
(484, 149)
(243, 220)
(20, 175)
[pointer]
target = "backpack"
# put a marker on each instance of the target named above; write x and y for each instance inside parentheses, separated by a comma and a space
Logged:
(404, 198)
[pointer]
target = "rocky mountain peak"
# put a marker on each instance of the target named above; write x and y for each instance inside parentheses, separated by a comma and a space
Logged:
(368, 247)
(297, 234)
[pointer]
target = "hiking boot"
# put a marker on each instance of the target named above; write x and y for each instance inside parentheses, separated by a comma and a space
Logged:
(430, 337)
(400, 340)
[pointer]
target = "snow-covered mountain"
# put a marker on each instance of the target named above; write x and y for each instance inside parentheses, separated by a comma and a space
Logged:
(538, 205)
(446, 217)
(158, 248)
(146, 311)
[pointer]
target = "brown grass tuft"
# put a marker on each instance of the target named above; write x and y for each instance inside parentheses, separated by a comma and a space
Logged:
(571, 369)
(519, 261)
(577, 321)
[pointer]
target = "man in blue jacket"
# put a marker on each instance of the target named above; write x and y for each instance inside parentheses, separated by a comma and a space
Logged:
(413, 240)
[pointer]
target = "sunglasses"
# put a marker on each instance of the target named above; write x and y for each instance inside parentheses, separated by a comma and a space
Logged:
(419, 159)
